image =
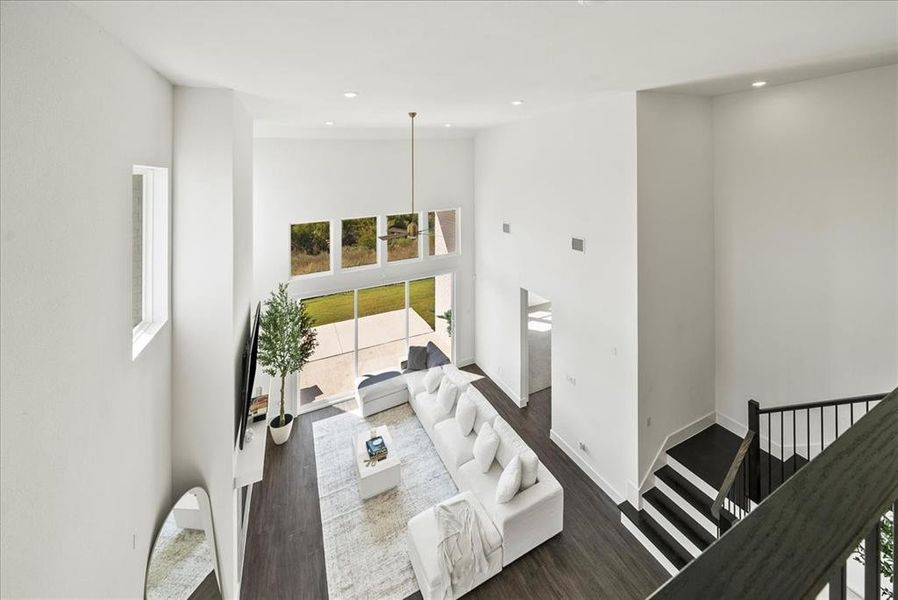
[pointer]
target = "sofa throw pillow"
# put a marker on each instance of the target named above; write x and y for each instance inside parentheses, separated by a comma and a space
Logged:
(529, 468)
(509, 481)
(465, 414)
(417, 358)
(510, 443)
(485, 447)
(446, 396)
(432, 379)
(435, 356)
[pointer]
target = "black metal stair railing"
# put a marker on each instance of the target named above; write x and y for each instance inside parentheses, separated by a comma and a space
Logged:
(818, 515)
(794, 435)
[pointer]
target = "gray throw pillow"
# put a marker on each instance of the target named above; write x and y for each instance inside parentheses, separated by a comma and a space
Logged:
(435, 356)
(417, 358)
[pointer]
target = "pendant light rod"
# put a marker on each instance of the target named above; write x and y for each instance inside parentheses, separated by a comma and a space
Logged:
(413, 115)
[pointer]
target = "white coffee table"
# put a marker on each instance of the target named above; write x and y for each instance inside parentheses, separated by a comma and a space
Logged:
(384, 474)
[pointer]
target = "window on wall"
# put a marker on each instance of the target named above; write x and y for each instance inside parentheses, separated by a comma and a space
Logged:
(401, 248)
(149, 254)
(443, 227)
(359, 242)
(310, 245)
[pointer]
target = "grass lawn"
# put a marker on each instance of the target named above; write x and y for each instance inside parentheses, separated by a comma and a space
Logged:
(372, 301)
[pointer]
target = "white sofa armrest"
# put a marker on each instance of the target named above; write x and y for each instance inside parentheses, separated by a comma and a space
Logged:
(530, 518)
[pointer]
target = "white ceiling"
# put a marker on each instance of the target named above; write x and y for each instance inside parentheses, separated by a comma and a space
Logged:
(463, 62)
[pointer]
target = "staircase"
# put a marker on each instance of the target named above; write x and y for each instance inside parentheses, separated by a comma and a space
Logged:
(678, 517)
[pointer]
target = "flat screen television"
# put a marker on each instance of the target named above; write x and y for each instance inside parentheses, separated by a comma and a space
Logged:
(245, 394)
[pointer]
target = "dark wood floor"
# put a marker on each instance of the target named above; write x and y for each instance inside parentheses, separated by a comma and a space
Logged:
(594, 557)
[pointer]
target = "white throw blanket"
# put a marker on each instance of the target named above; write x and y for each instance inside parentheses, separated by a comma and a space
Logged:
(462, 551)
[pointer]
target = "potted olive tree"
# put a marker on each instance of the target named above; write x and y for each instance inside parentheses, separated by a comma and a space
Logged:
(286, 342)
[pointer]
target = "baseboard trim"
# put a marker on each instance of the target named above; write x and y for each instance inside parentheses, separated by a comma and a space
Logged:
(504, 387)
(585, 467)
(464, 362)
(681, 434)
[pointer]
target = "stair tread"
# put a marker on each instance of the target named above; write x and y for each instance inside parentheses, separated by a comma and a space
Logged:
(656, 534)
(691, 494)
(694, 532)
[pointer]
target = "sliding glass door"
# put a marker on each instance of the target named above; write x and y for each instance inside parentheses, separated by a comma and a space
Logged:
(381, 328)
(366, 330)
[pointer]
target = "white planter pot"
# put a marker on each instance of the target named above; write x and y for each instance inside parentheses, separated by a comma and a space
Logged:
(279, 435)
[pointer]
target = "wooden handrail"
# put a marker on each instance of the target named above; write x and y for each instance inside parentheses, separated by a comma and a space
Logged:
(790, 545)
(731, 474)
(822, 403)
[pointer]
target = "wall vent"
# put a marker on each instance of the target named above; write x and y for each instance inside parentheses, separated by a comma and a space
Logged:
(506, 228)
(577, 244)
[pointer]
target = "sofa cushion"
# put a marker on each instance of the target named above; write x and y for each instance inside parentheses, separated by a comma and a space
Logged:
(483, 485)
(485, 411)
(429, 411)
(432, 379)
(465, 413)
(417, 358)
(457, 376)
(454, 448)
(414, 381)
(447, 395)
(435, 356)
(485, 447)
(510, 443)
(529, 468)
(509, 481)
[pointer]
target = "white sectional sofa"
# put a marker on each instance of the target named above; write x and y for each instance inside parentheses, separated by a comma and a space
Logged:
(528, 519)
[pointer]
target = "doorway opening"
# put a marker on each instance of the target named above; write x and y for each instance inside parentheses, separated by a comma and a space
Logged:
(536, 344)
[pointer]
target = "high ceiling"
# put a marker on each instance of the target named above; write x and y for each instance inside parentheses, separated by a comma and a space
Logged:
(464, 62)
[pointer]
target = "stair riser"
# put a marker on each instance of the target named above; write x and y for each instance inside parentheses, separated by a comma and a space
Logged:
(690, 510)
(671, 529)
(657, 554)
(692, 478)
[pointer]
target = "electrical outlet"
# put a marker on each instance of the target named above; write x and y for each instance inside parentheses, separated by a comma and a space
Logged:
(614, 351)
(571, 379)
(134, 541)
(648, 422)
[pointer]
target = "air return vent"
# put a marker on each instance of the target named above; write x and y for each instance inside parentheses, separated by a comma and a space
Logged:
(577, 244)
(506, 228)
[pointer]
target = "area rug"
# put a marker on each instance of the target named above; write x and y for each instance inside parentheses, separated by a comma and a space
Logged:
(365, 540)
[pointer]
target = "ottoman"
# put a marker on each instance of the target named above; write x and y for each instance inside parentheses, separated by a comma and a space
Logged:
(379, 391)
(423, 539)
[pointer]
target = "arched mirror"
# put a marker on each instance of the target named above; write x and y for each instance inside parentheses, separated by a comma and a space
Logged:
(182, 563)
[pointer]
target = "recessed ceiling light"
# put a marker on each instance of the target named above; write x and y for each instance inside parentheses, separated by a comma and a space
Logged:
(448, 125)
(328, 122)
(759, 84)
(517, 102)
(350, 94)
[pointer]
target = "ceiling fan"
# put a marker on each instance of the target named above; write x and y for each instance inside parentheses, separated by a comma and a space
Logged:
(411, 232)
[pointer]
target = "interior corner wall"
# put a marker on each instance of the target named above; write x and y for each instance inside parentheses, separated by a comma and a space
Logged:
(806, 267)
(211, 286)
(85, 431)
(676, 268)
(301, 180)
(567, 173)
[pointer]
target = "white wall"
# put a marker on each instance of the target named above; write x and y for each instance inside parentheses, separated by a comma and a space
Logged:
(567, 173)
(676, 269)
(211, 288)
(86, 432)
(805, 235)
(296, 181)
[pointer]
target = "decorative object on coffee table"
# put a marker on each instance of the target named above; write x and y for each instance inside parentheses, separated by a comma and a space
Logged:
(376, 475)
(286, 343)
